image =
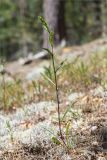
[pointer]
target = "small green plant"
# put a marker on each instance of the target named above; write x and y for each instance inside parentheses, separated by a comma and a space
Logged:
(71, 113)
(55, 81)
(9, 127)
(37, 88)
(11, 94)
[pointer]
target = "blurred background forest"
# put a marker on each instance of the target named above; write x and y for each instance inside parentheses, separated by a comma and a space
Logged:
(76, 21)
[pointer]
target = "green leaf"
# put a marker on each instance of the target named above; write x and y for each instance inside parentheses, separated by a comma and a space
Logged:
(67, 131)
(56, 141)
(67, 110)
(67, 135)
(48, 78)
(8, 125)
(46, 49)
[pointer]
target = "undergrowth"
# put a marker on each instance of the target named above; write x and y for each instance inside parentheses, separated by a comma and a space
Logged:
(75, 76)
(82, 76)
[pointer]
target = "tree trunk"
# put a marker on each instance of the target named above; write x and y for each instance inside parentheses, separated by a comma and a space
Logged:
(23, 11)
(54, 15)
(23, 7)
(104, 18)
(61, 21)
(97, 18)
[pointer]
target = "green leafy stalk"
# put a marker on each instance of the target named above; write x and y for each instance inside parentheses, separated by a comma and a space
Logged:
(51, 52)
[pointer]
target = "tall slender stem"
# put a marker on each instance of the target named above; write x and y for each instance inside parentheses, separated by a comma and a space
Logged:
(57, 96)
(51, 41)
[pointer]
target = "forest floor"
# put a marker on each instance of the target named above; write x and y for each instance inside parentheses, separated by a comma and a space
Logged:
(28, 109)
